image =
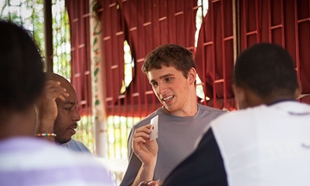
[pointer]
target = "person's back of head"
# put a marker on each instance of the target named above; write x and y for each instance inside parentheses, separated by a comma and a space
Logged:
(169, 55)
(268, 71)
(21, 69)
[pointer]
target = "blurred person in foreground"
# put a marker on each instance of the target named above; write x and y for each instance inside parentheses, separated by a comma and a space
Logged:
(267, 141)
(60, 116)
(171, 72)
(25, 159)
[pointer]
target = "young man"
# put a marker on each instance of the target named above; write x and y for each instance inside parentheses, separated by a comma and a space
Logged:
(171, 71)
(24, 158)
(265, 143)
(60, 116)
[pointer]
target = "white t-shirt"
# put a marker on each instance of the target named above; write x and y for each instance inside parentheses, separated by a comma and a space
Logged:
(266, 145)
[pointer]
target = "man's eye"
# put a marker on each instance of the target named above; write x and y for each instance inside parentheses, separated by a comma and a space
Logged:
(154, 84)
(68, 108)
(168, 79)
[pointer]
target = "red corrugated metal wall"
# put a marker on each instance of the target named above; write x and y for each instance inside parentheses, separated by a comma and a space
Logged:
(148, 24)
(285, 22)
(215, 54)
(80, 55)
(79, 19)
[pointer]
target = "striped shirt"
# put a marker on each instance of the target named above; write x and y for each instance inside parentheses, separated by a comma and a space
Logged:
(27, 161)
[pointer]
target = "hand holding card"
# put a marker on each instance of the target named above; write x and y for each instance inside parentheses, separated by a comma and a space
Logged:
(154, 128)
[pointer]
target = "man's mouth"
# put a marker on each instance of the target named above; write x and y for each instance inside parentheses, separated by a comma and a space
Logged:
(72, 129)
(166, 99)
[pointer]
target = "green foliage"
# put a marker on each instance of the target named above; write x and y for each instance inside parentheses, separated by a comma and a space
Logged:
(30, 14)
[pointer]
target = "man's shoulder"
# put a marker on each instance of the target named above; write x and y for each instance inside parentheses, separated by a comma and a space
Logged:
(240, 118)
(209, 113)
(148, 118)
(76, 146)
(243, 114)
(210, 109)
(45, 158)
(40, 148)
(73, 141)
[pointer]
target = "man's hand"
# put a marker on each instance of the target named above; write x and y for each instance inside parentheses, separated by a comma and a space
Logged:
(150, 183)
(145, 149)
(47, 106)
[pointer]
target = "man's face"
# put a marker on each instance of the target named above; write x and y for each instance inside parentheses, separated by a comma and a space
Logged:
(66, 121)
(171, 88)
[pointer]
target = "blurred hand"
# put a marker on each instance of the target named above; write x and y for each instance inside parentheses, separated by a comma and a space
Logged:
(151, 183)
(47, 106)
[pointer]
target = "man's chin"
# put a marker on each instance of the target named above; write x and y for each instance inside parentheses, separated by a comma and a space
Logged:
(64, 140)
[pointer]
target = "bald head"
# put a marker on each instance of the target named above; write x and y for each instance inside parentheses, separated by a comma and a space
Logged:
(63, 81)
(55, 77)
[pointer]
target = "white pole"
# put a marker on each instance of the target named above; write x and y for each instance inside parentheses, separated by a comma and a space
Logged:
(98, 86)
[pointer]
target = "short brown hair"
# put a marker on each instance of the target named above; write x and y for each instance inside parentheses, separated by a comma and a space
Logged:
(169, 55)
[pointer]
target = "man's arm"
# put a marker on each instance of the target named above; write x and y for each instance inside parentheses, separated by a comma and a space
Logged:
(47, 107)
(204, 166)
(146, 151)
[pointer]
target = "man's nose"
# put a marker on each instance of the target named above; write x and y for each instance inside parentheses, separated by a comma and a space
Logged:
(162, 88)
(76, 115)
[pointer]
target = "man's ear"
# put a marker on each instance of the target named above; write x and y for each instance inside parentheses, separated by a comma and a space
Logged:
(192, 75)
(240, 96)
(298, 91)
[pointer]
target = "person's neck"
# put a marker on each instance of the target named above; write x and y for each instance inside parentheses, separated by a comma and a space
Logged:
(278, 98)
(279, 101)
(18, 124)
(184, 112)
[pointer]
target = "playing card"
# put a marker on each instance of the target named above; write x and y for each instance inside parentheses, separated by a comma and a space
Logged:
(154, 128)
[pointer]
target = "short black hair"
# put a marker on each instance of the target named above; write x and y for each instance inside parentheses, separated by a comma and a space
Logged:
(266, 68)
(169, 55)
(21, 68)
